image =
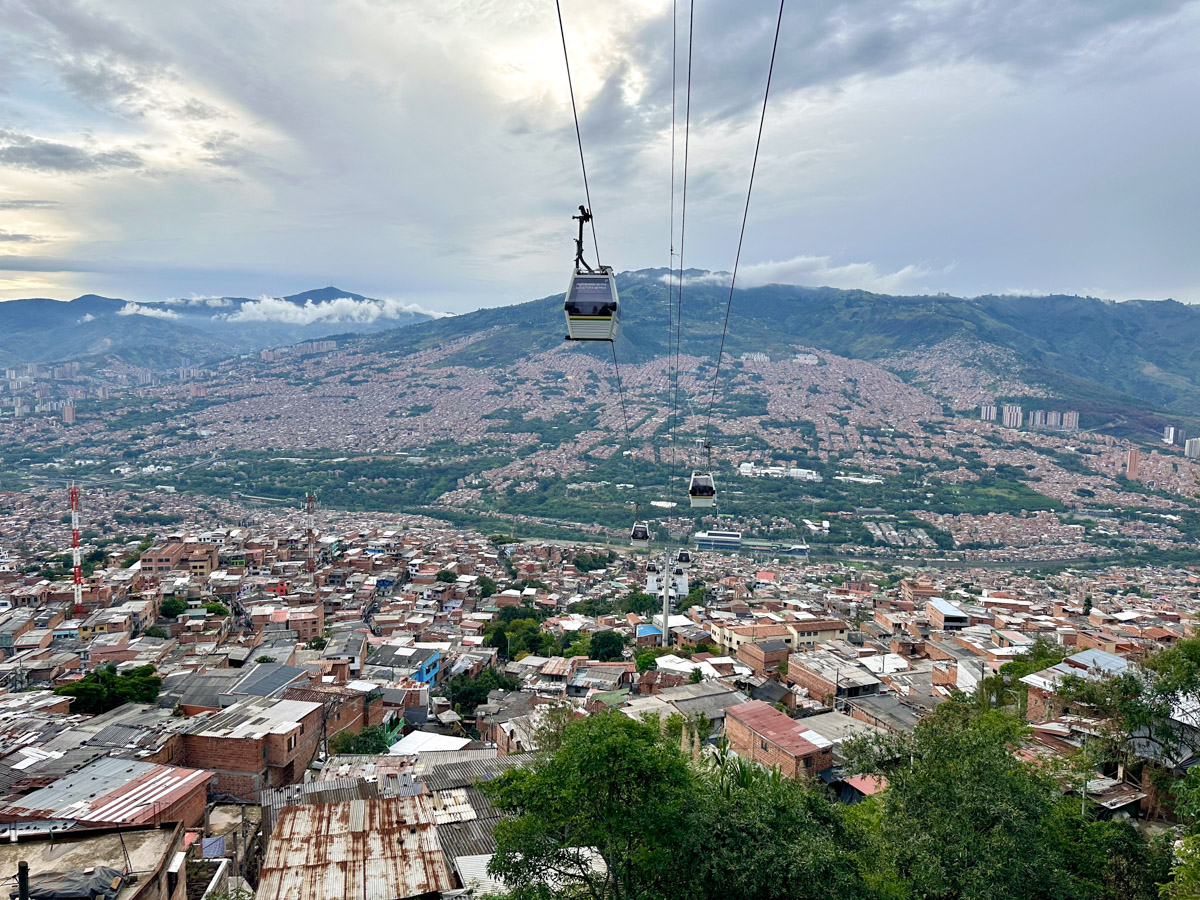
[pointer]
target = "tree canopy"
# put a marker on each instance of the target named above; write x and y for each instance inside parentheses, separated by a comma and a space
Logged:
(371, 740)
(104, 689)
(465, 692)
(965, 818)
(664, 825)
(607, 646)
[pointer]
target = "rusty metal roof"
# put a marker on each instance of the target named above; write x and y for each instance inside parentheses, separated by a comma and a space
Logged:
(112, 791)
(360, 850)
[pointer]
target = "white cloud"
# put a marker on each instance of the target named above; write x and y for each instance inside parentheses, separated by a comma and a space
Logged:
(820, 271)
(213, 302)
(340, 309)
(87, 317)
(153, 312)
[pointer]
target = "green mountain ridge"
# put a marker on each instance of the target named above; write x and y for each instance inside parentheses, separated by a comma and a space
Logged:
(1121, 355)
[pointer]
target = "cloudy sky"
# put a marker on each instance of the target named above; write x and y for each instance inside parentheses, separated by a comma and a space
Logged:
(423, 150)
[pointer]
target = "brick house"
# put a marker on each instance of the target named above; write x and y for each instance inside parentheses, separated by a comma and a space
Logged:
(763, 658)
(255, 744)
(827, 676)
(762, 734)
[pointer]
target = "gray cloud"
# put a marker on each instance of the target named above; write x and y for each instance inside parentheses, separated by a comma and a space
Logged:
(28, 204)
(426, 152)
(11, 238)
(24, 151)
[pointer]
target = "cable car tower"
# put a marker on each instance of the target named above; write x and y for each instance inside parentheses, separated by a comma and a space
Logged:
(591, 306)
(310, 564)
(76, 561)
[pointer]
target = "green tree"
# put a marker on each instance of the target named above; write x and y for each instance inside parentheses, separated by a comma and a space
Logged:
(371, 740)
(580, 645)
(155, 632)
(641, 603)
(964, 818)
(216, 609)
(317, 643)
(645, 658)
(626, 790)
(263, 660)
(104, 689)
(611, 787)
(172, 608)
(465, 692)
(487, 587)
(446, 576)
(607, 646)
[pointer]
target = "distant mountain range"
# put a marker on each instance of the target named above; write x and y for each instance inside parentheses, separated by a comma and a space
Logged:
(1118, 357)
(191, 330)
(1114, 357)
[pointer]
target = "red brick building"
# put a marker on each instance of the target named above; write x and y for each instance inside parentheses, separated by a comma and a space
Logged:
(255, 744)
(759, 732)
(764, 658)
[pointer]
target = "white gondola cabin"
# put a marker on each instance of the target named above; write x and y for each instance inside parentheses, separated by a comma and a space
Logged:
(702, 490)
(640, 535)
(684, 558)
(591, 305)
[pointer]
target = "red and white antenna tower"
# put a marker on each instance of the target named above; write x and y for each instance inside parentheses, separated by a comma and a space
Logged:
(310, 523)
(76, 561)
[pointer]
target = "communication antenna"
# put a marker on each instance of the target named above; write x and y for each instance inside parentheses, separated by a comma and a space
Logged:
(310, 501)
(76, 561)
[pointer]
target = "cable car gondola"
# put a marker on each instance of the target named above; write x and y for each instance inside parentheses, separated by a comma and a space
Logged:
(591, 306)
(684, 558)
(640, 536)
(702, 489)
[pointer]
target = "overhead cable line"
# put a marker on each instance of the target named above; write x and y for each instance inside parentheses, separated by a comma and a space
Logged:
(741, 236)
(621, 394)
(671, 242)
(578, 137)
(687, 123)
(589, 217)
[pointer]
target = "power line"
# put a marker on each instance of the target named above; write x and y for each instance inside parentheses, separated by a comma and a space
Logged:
(742, 234)
(587, 193)
(578, 137)
(687, 129)
(621, 394)
(671, 242)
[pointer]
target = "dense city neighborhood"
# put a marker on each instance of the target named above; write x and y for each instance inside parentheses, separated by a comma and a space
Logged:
(221, 695)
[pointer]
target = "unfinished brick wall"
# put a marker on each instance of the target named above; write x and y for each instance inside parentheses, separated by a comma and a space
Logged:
(240, 764)
(750, 745)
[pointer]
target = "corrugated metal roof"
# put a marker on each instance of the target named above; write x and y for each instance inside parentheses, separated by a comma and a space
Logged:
(473, 873)
(469, 772)
(109, 790)
(368, 850)
(118, 736)
(268, 679)
(431, 758)
(469, 838)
